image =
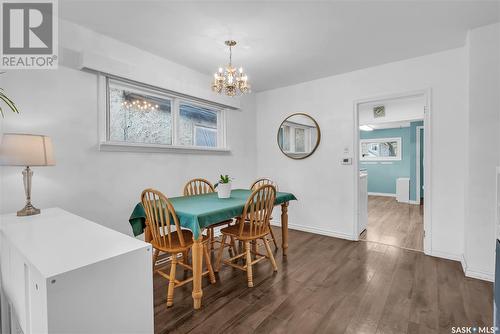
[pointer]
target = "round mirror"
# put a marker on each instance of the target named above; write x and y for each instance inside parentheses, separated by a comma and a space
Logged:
(298, 136)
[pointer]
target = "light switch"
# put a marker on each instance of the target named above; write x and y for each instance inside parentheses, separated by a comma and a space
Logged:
(346, 161)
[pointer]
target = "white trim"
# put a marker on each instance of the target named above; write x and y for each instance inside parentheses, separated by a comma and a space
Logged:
(485, 276)
(174, 110)
(464, 263)
(427, 160)
(417, 170)
(102, 113)
(497, 204)
(315, 230)
(382, 194)
(445, 255)
(175, 100)
(157, 148)
(478, 274)
(427, 173)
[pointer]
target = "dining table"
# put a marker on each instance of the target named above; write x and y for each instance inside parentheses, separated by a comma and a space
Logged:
(198, 212)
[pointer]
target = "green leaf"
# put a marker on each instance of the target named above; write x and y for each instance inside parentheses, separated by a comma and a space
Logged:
(8, 102)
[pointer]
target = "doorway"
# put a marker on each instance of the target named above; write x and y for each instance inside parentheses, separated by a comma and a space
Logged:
(392, 178)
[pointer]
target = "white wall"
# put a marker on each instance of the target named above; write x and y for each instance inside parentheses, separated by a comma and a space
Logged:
(396, 110)
(324, 187)
(105, 186)
(483, 153)
(80, 46)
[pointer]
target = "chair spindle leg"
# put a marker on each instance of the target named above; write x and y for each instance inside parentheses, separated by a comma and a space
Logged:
(249, 264)
(219, 255)
(270, 254)
(171, 283)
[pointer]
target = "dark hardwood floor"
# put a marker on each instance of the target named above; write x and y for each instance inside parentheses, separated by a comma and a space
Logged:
(330, 285)
(393, 223)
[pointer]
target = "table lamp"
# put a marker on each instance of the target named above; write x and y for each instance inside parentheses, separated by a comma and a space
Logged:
(18, 149)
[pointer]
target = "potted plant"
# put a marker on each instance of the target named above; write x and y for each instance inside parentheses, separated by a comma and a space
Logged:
(224, 186)
(7, 101)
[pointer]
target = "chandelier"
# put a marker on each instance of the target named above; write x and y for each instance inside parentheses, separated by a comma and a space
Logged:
(140, 105)
(229, 80)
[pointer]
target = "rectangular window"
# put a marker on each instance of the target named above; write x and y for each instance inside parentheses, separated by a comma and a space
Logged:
(147, 116)
(380, 149)
(300, 140)
(197, 125)
(138, 116)
(296, 138)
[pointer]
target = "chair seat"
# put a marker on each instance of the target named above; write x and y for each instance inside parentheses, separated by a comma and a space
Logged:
(234, 230)
(176, 243)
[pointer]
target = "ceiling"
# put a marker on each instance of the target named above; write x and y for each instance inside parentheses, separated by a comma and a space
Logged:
(283, 43)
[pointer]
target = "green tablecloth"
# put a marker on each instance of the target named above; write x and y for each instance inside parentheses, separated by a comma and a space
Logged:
(198, 212)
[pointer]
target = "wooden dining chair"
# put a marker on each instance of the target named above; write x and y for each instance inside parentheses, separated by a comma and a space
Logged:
(199, 187)
(260, 182)
(168, 237)
(252, 226)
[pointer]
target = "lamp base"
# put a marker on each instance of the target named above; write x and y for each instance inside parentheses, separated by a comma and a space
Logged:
(28, 210)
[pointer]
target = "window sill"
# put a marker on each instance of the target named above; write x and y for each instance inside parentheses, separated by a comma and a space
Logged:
(157, 148)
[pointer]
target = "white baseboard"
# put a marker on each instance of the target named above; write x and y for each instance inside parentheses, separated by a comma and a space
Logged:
(464, 263)
(392, 195)
(446, 255)
(485, 276)
(382, 194)
(478, 274)
(315, 230)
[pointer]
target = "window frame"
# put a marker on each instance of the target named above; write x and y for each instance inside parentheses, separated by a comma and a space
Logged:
(292, 137)
(399, 153)
(176, 99)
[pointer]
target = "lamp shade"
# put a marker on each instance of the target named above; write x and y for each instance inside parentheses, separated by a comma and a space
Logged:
(18, 149)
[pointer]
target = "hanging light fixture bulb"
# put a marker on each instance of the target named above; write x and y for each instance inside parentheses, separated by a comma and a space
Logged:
(229, 81)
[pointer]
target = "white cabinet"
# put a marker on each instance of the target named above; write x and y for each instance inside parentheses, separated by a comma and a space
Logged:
(363, 202)
(61, 273)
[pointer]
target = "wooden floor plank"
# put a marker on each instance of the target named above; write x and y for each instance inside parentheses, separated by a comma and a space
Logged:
(393, 223)
(330, 285)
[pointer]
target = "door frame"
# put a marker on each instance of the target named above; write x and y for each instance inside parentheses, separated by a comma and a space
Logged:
(426, 92)
(417, 170)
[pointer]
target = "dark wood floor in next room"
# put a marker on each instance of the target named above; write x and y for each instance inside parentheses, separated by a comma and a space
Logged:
(330, 285)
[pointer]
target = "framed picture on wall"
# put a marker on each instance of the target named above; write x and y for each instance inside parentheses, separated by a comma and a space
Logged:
(379, 111)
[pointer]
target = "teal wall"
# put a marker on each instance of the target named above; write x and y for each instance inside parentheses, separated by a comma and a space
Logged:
(382, 175)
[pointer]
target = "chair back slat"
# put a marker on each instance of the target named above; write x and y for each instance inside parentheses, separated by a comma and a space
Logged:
(263, 181)
(258, 210)
(198, 187)
(161, 217)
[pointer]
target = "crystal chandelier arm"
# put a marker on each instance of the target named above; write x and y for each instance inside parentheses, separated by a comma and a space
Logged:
(230, 81)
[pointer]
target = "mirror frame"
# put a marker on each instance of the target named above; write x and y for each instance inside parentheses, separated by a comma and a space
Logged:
(317, 142)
